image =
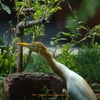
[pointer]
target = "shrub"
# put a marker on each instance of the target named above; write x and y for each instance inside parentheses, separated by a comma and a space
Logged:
(37, 63)
(87, 62)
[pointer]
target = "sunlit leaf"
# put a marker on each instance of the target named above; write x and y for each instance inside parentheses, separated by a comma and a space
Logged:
(67, 26)
(41, 34)
(51, 10)
(53, 38)
(95, 33)
(6, 8)
(81, 22)
(63, 39)
(58, 8)
(82, 27)
(56, 0)
(66, 34)
(98, 35)
(52, 42)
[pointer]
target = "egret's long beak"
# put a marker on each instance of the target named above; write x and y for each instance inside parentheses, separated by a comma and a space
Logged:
(23, 44)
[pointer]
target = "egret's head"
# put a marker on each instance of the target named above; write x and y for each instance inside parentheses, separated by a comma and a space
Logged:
(35, 46)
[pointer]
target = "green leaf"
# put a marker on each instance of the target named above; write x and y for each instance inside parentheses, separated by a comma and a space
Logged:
(58, 8)
(81, 22)
(52, 10)
(82, 27)
(95, 33)
(52, 42)
(66, 34)
(67, 26)
(56, 0)
(63, 39)
(53, 38)
(6, 8)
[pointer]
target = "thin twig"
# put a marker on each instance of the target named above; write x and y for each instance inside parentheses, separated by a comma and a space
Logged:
(28, 58)
(41, 67)
(77, 42)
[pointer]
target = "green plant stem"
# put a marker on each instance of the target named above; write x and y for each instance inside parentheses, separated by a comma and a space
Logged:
(84, 38)
(41, 67)
(28, 58)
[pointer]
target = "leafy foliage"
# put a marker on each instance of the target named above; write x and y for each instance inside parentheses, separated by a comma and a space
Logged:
(40, 10)
(86, 10)
(73, 33)
(87, 59)
(37, 63)
(8, 57)
(43, 9)
(5, 7)
(87, 62)
(47, 91)
(9, 50)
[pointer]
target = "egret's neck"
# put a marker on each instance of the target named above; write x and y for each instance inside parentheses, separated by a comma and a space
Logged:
(46, 54)
(58, 68)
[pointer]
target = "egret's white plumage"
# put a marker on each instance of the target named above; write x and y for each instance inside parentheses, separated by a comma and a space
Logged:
(77, 87)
